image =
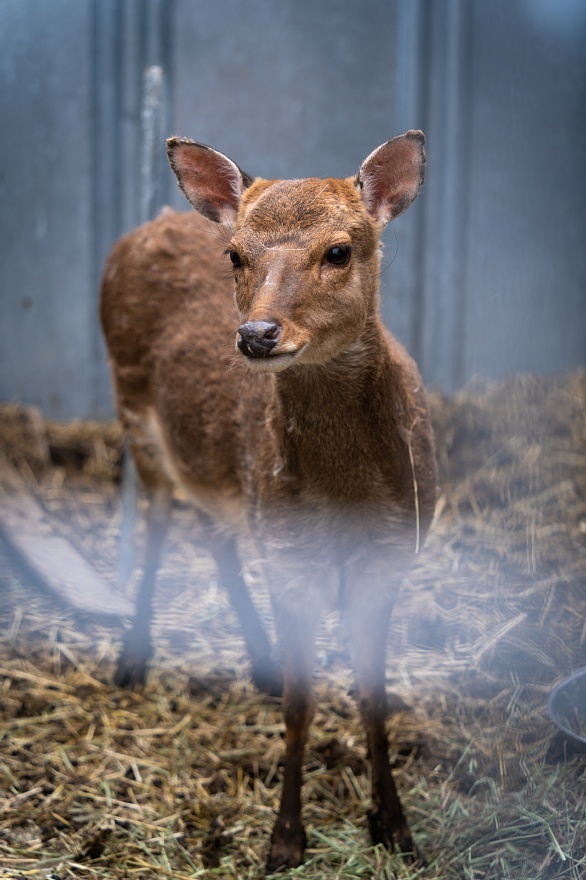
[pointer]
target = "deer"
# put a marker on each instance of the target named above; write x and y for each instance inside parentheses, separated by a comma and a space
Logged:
(251, 368)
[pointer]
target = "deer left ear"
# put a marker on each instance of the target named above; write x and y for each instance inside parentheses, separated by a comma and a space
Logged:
(391, 177)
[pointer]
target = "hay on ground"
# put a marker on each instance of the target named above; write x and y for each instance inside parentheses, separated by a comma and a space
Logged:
(182, 780)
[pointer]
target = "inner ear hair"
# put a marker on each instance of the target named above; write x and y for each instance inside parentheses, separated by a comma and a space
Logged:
(391, 176)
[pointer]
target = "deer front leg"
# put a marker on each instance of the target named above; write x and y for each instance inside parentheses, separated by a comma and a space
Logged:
(296, 631)
(367, 616)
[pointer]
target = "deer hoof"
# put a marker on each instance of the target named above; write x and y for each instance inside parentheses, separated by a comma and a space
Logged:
(267, 677)
(131, 671)
(393, 836)
(288, 844)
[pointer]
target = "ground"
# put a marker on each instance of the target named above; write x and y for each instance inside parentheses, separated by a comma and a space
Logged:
(182, 779)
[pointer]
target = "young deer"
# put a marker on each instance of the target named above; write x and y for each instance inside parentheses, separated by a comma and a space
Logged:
(312, 440)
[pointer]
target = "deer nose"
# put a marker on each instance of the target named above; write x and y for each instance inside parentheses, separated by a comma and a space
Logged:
(256, 339)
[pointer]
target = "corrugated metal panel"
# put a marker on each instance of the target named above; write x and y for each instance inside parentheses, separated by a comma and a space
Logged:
(286, 89)
(45, 203)
(526, 234)
(433, 77)
(70, 158)
(128, 35)
(488, 267)
(496, 263)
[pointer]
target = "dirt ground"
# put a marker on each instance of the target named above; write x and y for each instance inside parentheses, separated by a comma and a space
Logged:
(182, 779)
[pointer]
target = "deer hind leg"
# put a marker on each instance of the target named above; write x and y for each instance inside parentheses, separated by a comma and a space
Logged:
(129, 503)
(296, 629)
(137, 646)
(265, 672)
(367, 616)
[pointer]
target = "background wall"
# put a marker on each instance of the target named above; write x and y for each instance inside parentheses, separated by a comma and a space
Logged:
(486, 274)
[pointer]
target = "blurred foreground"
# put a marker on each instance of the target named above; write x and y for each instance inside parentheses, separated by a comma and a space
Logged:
(182, 780)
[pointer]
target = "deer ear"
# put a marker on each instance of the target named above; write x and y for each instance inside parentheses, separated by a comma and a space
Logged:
(210, 181)
(390, 178)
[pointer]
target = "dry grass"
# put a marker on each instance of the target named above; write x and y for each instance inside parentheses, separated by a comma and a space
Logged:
(182, 780)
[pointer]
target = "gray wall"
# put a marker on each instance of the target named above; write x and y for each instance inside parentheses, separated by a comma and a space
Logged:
(484, 274)
(45, 204)
(495, 263)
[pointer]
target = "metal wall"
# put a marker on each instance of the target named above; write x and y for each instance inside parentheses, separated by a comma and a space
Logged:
(70, 99)
(485, 273)
(495, 264)
(45, 204)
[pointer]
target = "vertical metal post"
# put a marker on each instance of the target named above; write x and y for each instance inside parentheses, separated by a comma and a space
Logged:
(151, 125)
(152, 134)
(433, 91)
(411, 80)
(444, 257)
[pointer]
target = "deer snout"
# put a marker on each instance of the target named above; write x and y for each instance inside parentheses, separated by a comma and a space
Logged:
(257, 339)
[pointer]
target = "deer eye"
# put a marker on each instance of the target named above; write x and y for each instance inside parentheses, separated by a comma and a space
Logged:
(235, 258)
(339, 254)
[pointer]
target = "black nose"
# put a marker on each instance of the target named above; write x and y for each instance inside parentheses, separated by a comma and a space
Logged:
(256, 339)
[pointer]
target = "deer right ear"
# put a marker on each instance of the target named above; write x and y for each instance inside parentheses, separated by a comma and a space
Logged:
(390, 178)
(210, 181)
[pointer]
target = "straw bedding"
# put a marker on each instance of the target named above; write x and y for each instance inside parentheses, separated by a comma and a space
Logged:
(182, 780)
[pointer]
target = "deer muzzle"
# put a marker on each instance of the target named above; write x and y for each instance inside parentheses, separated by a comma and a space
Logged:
(258, 339)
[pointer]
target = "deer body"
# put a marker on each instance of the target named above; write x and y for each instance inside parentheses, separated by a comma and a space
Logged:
(312, 437)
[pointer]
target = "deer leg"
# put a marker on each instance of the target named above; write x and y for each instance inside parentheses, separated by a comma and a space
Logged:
(296, 630)
(265, 672)
(367, 623)
(137, 647)
(128, 497)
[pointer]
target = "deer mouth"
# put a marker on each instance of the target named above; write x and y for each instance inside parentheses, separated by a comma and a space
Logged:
(273, 362)
(265, 347)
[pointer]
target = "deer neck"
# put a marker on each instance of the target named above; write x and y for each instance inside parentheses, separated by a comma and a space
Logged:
(325, 419)
(321, 386)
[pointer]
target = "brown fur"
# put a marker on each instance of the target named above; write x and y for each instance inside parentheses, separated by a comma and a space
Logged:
(321, 453)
